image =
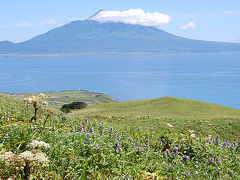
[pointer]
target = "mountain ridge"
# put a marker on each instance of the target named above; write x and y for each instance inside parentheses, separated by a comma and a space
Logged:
(92, 37)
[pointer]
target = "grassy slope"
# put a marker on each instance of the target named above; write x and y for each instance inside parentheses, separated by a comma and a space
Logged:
(205, 118)
(164, 107)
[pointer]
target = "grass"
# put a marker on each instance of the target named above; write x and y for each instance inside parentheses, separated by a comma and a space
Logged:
(113, 146)
(206, 118)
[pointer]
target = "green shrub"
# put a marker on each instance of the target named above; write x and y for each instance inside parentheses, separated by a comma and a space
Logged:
(66, 108)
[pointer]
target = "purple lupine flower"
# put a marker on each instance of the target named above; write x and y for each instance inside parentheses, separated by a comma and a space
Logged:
(99, 149)
(167, 153)
(147, 143)
(100, 125)
(175, 150)
(87, 142)
(73, 129)
(185, 158)
(218, 139)
(218, 160)
(140, 149)
(211, 160)
(235, 173)
(116, 145)
(91, 129)
(225, 144)
(117, 135)
(88, 135)
(102, 131)
(139, 128)
(80, 128)
(187, 173)
(133, 145)
(211, 141)
(111, 130)
(85, 120)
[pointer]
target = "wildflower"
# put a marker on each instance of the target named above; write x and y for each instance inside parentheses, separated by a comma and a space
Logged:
(167, 153)
(175, 150)
(102, 131)
(218, 160)
(80, 128)
(181, 134)
(99, 149)
(139, 128)
(224, 144)
(6, 156)
(211, 160)
(44, 103)
(73, 129)
(39, 144)
(210, 141)
(152, 129)
(133, 145)
(193, 136)
(147, 143)
(185, 158)
(191, 131)
(169, 125)
(111, 130)
(85, 120)
(187, 173)
(88, 135)
(26, 156)
(116, 145)
(91, 129)
(218, 139)
(140, 149)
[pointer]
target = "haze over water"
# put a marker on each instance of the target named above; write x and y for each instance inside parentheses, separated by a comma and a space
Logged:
(208, 77)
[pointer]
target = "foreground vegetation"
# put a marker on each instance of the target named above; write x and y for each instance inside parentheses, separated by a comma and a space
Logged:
(87, 148)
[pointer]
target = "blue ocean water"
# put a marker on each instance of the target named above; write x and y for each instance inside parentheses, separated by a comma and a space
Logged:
(213, 77)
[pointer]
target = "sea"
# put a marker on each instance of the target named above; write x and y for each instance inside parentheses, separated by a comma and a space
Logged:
(211, 77)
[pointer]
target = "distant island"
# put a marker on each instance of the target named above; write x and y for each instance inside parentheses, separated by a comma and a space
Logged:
(90, 37)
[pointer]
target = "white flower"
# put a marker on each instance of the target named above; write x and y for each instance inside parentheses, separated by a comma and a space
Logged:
(26, 156)
(191, 131)
(6, 156)
(39, 144)
(169, 125)
(41, 158)
(192, 135)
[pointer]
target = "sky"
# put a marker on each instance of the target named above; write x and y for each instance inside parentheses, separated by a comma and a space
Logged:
(215, 20)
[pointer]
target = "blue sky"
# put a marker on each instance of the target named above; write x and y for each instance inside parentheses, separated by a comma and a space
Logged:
(217, 20)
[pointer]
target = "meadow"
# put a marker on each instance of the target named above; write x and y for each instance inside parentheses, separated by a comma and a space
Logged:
(182, 140)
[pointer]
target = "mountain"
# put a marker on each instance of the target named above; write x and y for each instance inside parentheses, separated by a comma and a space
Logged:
(111, 38)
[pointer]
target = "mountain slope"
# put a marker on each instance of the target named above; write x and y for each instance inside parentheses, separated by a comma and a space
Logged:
(93, 37)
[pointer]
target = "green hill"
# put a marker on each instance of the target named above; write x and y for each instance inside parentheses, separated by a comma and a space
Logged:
(164, 107)
(205, 118)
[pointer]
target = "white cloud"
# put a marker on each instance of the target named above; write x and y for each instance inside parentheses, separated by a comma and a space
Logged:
(190, 25)
(49, 22)
(133, 16)
(23, 24)
(229, 12)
